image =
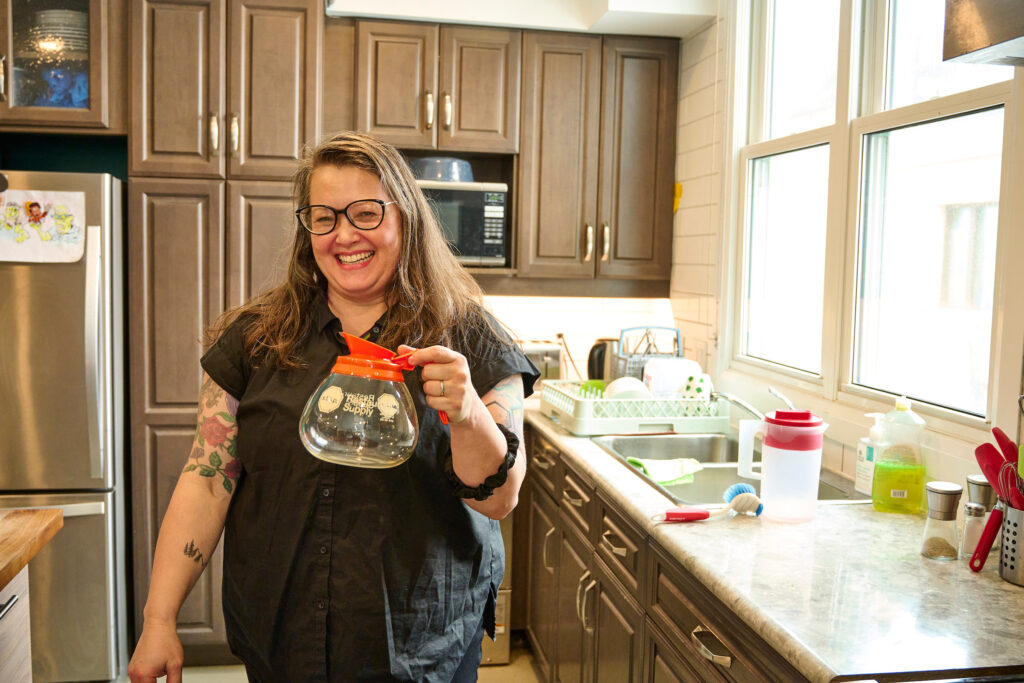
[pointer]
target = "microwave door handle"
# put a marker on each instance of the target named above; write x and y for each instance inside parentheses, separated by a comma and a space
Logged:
(590, 244)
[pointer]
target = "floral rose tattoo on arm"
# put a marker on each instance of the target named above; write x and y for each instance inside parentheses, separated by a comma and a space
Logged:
(214, 451)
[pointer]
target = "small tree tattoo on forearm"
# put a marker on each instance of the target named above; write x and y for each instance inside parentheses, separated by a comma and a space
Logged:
(192, 552)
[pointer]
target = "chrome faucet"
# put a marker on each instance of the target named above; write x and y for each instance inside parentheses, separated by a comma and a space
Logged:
(735, 400)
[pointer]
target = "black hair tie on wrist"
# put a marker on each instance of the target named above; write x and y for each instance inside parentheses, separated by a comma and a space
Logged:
(496, 480)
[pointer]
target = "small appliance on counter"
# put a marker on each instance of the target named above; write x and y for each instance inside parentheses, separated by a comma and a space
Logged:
(472, 215)
(546, 355)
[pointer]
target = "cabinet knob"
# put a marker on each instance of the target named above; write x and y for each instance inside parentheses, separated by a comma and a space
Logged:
(234, 135)
(447, 111)
(590, 244)
(214, 134)
(3, 78)
(430, 110)
(606, 251)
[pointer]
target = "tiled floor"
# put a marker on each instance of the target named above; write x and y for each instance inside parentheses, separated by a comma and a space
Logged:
(520, 669)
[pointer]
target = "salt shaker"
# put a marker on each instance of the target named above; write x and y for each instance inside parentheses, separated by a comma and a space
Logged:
(974, 524)
(940, 535)
(979, 490)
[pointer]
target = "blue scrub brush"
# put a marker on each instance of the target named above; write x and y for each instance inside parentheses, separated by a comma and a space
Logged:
(743, 498)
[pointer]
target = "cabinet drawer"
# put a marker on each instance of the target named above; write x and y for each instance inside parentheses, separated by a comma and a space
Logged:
(576, 498)
(15, 648)
(544, 462)
(620, 543)
(726, 648)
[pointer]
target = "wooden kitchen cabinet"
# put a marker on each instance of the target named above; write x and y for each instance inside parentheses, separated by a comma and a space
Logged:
(62, 66)
(574, 581)
(598, 157)
(15, 635)
(421, 86)
(542, 600)
(196, 247)
(224, 87)
(616, 628)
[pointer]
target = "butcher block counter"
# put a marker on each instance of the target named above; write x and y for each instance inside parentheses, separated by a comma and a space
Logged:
(23, 533)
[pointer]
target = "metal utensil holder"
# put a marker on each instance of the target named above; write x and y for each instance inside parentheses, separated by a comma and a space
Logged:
(1011, 557)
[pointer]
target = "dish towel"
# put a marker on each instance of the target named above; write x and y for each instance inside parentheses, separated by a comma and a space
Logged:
(667, 472)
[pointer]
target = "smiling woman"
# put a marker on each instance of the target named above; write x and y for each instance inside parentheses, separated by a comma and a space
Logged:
(334, 572)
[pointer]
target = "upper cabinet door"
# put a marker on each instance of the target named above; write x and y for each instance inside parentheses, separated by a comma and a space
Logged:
(479, 95)
(261, 227)
(638, 149)
(558, 159)
(396, 93)
(274, 101)
(177, 101)
(54, 67)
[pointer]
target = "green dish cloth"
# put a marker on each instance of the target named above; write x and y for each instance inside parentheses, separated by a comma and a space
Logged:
(667, 472)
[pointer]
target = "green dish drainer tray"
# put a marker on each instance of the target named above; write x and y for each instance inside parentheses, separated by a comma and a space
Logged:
(561, 401)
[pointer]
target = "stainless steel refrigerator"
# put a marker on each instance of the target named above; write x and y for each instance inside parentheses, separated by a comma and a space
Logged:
(62, 385)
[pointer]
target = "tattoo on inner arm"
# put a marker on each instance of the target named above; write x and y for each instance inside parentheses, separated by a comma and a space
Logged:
(192, 552)
(214, 448)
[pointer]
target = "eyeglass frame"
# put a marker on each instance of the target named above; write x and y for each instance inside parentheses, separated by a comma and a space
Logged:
(343, 212)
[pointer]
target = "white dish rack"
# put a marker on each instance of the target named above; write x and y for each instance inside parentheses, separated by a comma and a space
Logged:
(561, 401)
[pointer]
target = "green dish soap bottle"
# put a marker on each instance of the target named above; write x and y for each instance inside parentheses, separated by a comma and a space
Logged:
(898, 481)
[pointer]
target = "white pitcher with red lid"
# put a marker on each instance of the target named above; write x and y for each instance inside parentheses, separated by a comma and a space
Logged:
(790, 462)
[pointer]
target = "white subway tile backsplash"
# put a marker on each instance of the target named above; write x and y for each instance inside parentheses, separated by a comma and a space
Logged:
(695, 163)
(701, 75)
(691, 250)
(694, 134)
(693, 220)
(696, 192)
(700, 46)
(698, 104)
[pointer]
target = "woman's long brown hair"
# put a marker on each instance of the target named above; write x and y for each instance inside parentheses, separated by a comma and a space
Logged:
(433, 300)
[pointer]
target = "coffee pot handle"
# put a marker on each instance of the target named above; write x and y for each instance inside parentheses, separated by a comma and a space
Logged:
(749, 429)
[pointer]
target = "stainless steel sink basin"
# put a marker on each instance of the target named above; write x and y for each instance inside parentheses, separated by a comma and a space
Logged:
(718, 454)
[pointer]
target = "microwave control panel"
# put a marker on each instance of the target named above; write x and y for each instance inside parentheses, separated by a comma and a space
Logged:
(494, 223)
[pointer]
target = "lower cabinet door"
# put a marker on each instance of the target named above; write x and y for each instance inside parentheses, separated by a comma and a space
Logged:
(541, 608)
(662, 663)
(574, 579)
(616, 623)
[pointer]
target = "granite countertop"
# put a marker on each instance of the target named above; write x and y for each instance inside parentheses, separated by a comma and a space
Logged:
(22, 534)
(846, 594)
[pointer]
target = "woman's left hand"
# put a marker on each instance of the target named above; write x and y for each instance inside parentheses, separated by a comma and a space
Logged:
(446, 381)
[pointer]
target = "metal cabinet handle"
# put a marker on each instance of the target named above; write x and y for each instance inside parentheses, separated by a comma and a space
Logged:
(544, 550)
(542, 462)
(575, 502)
(3, 78)
(583, 606)
(430, 110)
(447, 111)
(234, 135)
(590, 244)
(214, 133)
(720, 660)
(606, 252)
(606, 539)
(6, 607)
(579, 589)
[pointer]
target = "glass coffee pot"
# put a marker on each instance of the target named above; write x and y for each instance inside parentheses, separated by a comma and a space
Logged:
(362, 414)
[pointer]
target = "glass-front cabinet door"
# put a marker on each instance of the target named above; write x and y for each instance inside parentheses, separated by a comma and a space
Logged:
(53, 62)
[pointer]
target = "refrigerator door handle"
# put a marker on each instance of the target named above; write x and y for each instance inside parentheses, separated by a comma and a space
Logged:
(74, 509)
(94, 346)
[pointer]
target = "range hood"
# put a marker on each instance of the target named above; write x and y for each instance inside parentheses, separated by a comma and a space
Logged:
(670, 18)
(984, 32)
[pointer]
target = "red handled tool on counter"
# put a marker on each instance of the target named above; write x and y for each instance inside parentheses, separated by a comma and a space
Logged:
(1009, 477)
(991, 462)
(362, 347)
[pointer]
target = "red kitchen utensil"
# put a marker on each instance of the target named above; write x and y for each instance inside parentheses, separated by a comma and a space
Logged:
(988, 537)
(1010, 475)
(362, 347)
(990, 461)
(1006, 445)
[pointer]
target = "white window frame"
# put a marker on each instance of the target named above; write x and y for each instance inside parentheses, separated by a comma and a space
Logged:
(858, 101)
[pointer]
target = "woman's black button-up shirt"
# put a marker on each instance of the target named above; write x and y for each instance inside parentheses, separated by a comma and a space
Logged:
(339, 573)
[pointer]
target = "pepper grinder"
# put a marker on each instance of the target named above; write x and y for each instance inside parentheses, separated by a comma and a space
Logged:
(941, 541)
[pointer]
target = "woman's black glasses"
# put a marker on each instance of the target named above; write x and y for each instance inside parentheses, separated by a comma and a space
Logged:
(364, 214)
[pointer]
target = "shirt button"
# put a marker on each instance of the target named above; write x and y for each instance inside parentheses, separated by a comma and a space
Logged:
(320, 604)
(326, 493)
(323, 550)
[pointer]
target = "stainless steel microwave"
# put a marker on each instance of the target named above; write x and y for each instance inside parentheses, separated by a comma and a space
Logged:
(474, 218)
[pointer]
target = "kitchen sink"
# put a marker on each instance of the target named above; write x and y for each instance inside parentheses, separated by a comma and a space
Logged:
(718, 453)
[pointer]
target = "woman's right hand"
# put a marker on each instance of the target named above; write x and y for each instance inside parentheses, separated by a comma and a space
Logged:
(158, 654)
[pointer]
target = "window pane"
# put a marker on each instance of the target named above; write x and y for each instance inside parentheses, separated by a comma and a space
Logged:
(916, 71)
(801, 87)
(927, 260)
(786, 257)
